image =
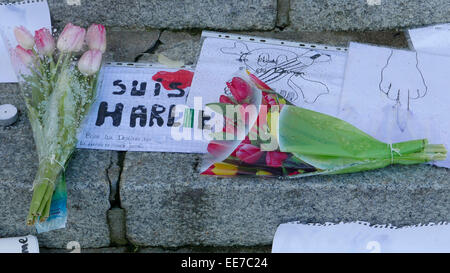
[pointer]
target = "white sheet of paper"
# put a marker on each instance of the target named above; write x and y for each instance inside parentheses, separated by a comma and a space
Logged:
(32, 15)
(147, 132)
(382, 83)
(307, 75)
(433, 39)
(360, 237)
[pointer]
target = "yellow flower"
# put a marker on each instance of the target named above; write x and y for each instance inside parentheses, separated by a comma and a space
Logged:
(262, 173)
(221, 169)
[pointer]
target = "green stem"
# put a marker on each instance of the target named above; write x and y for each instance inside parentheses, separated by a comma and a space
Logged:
(55, 71)
(46, 212)
(44, 186)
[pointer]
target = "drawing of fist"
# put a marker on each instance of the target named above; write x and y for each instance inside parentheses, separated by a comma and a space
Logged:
(401, 78)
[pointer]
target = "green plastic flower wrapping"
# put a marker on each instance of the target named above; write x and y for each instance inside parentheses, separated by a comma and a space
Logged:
(289, 141)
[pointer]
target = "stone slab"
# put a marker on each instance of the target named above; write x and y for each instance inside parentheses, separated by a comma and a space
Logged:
(307, 15)
(87, 183)
(126, 45)
(167, 203)
(86, 250)
(179, 46)
(256, 249)
(131, 249)
(166, 14)
(303, 15)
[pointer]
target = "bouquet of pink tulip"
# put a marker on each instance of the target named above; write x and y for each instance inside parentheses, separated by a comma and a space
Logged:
(58, 95)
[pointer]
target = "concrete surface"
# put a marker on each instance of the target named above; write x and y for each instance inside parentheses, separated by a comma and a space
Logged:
(170, 204)
(163, 202)
(170, 14)
(87, 185)
(366, 14)
(131, 249)
(301, 15)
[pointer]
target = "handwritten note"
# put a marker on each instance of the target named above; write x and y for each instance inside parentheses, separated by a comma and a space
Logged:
(397, 95)
(135, 110)
(33, 15)
(310, 76)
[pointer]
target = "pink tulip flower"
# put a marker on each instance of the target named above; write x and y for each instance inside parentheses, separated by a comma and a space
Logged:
(25, 55)
(45, 43)
(96, 37)
(24, 37)
(71, 38)
(90, 62)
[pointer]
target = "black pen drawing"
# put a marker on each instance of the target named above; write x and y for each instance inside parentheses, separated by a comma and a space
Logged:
(402, 81)
(294, 71)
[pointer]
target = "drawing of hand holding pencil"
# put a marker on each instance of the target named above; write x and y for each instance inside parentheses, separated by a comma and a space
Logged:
(293, 71)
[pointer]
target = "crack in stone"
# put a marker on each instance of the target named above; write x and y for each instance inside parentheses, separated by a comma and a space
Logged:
(107, 171)
(113, 174)
(282, 19)
(116, 216)
(120, 162)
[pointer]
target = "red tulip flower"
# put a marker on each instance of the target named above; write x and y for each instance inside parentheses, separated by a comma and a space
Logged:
(225, 99)
(270, 100)
(249, 153)
(275, 159)
(217, 148)
(245, 141)
(258, 82)
(243, 112)
(230, 126)
(239, 89)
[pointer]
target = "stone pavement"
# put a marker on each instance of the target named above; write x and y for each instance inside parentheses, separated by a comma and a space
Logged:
(301, 15)
(157, 202)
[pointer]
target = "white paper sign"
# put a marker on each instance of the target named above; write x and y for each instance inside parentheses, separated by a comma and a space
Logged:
(25, 244)
(33, 15)
(433, 39)
(134, 110)
(308, 75)
(360, 237)
(397, 95)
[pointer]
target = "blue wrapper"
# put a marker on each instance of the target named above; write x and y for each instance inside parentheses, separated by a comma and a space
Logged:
(58, 209)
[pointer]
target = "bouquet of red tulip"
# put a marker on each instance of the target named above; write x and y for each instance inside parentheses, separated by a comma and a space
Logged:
(263, 134)
(58, 94)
